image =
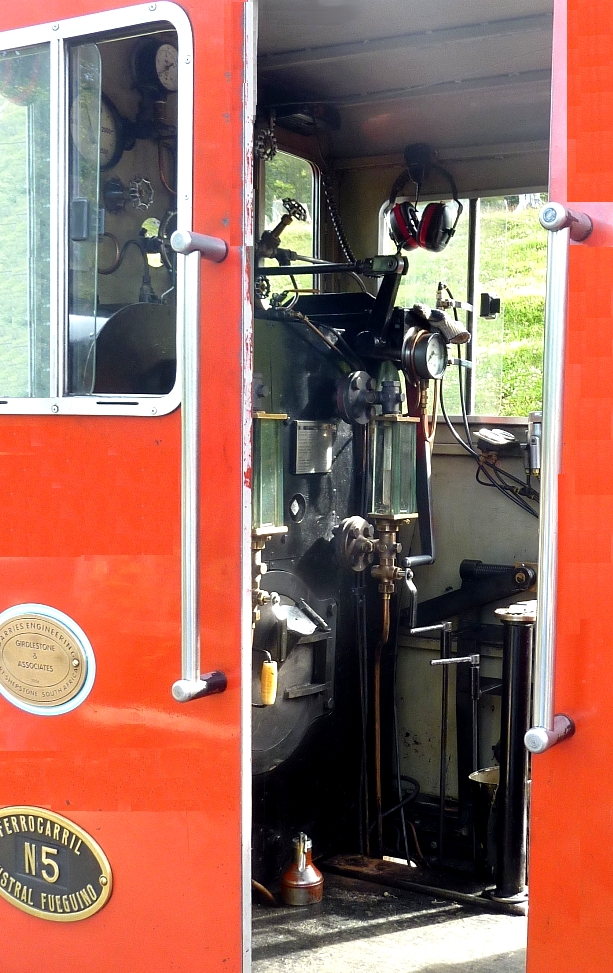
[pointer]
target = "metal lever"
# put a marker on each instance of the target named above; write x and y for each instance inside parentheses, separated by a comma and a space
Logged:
(210, 247)
(564, 225)
(473, 659)
(475, 691)
(210, 683)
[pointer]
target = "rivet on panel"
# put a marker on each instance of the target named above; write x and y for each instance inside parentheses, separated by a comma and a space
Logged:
(55, 27)
(55, 408)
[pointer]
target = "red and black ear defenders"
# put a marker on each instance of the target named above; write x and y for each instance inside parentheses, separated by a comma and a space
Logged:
(437, 224)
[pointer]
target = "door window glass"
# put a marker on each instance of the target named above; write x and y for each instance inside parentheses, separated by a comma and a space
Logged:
(122, 211)
(94, 146)
(24, 222)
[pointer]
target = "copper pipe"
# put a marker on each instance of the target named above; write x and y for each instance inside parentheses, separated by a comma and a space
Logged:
(385, 634)
(117, 259)
(163, 179)
(264, 892)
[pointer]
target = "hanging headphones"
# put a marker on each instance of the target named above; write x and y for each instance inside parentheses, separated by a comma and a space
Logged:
(437, 224)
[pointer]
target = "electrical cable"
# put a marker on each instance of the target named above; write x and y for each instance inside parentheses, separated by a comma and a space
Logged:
(335, 216)
(281, 314)
(462, 385)
(485, 467)
(493, 471)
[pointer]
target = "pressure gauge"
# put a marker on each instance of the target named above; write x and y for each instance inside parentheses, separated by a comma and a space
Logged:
(102, 143)
(424, 355)
(155, 66)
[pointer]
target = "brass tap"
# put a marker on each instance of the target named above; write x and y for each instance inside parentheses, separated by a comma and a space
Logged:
(387, 548)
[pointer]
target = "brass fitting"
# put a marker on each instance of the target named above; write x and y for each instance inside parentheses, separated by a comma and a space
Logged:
(388, 548)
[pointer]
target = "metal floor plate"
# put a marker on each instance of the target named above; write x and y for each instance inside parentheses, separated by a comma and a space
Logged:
(361, 927)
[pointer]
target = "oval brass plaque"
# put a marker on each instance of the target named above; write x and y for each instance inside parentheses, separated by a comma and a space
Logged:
(43, 662)
(50, 867)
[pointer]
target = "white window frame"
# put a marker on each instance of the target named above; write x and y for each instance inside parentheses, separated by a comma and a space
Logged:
(59, 36)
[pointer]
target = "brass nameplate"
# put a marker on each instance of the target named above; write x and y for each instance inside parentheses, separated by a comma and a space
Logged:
(50, 867)
(41, 661)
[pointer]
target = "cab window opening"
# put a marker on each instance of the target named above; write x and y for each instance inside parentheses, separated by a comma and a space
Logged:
(288, 223)
(508, 250)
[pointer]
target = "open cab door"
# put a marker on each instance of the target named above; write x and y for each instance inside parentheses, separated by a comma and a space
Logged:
(122, 376)
(571, 878)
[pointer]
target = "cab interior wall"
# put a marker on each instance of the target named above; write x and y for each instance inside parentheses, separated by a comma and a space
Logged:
(477, 91)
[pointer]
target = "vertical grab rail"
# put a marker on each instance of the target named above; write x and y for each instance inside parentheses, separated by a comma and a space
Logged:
(564, 225)
(192, 684)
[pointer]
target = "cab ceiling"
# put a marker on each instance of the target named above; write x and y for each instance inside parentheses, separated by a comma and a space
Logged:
(470, 77)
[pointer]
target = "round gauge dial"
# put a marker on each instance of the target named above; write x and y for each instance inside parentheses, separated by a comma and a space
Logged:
(424, 355)
(435, 357)
(96, 128)
(155, 66)
(166, 66)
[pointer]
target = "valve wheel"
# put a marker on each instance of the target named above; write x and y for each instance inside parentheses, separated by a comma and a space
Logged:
(295, 209)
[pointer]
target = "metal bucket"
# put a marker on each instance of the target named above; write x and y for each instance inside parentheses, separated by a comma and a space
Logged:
(490, 776)
(485, 815)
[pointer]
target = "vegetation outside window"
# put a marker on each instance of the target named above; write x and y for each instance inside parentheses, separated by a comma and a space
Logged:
(290, 177)
(510, 260)
(426, 271)
(508, 350)
(24, 216)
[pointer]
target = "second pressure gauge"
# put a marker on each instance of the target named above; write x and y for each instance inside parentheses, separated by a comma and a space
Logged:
(155, 66)
(424, 354)
(97, 129)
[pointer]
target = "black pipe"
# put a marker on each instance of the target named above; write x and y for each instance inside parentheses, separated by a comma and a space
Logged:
(445, 654)
(423, 493)
(512, 791)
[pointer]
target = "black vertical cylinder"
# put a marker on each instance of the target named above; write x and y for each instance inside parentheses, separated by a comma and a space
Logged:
(515, 720)
(445, 654)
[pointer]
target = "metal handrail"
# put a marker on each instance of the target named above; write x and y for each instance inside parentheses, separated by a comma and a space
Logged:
(549, 728)
(192, 684)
